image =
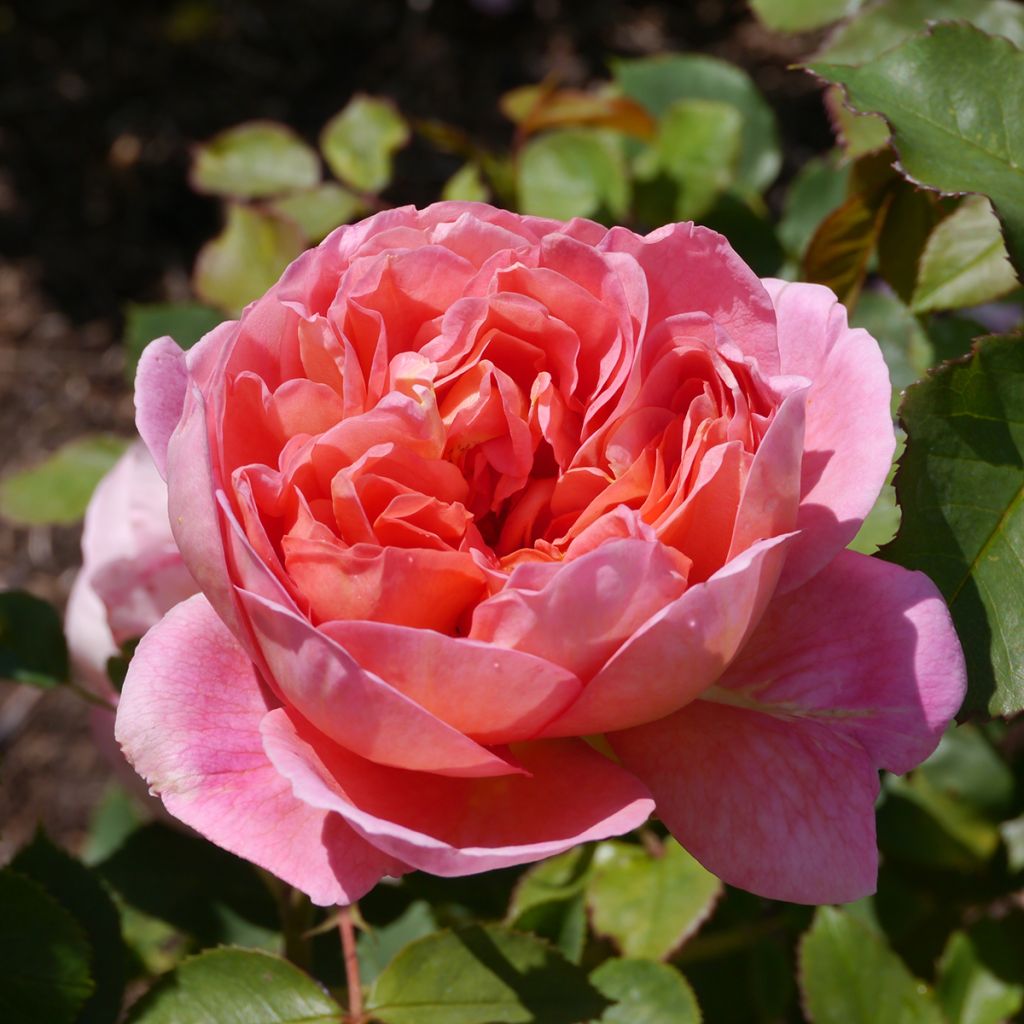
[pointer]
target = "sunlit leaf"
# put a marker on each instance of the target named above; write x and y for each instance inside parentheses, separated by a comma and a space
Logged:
(318, 211)
(649, 905)
(378, 946)
(849, 976)
(360, 142)
(480, 975)
(950, 97)
(801, 15)
(981, 973)
(965, 261)
(577, 172)
(246, 258)
(254, 160)
(467, 184)
(57, 490)
(236, 986)
(536, 108)
(658, 82)
(645, 992)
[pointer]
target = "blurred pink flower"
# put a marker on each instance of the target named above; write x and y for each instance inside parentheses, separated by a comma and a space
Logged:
(465, 490)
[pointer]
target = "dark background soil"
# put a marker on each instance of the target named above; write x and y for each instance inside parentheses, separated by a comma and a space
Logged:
(99, 106)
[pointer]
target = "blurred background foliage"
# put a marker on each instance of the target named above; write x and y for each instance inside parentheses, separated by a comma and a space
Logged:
(160, 167)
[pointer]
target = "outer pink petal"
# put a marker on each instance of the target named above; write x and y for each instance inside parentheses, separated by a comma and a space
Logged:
(160, 385)
(857, 670)
(587, 608)
(783, 809)
(849, 439)
(355, 708)
(490, 693)
(450, 826)
(693, 269)
(680, 650)
(189, 723)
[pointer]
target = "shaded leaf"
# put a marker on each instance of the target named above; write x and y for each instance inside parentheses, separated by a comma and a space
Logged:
(658, 82)
(318, 211)
(483, 975)
(44, 956)
(817, 190)
(981, 973)
(965, 261)
(950, 98)
(961, 487)
(645, 992)
(254, 160)
(246, 258)
(32, 645)
(185, 322)
(113, 819)
(80, 892)
(236, 986)
(649, 905)
(911, 218)
(907, 349)
(57, 490)
(848, 975)
(578, 172)
(360, 142)
(801, 15)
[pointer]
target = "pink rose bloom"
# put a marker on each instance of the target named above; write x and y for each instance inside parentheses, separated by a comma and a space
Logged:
(512, 532)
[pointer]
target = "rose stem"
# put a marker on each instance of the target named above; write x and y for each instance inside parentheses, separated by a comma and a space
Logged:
(348, 945)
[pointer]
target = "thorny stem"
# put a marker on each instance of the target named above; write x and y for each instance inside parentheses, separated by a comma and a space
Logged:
(348, 945)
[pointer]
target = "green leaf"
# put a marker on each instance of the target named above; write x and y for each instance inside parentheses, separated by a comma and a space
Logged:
(881, 26)
(964, 262)
(904, 343)
(961, 487)
(114, 819)
(950, 98)
(185, 322)
(236, 986)
(32, 645)
(57, 490)
(44, 957)
(882, 522)
(649, 904)
(467, 184)
(318, 211)
(253, 161)
(549, 900)
(848, 975)
(360, 142)
(189, 883)
(801, 15)
(981, 973)
(577, 172)
(1012, 834)
(857, 134)
(376, 948)
(658, 82)
(645, 992)
(817, 190)
(80, 892)
(246, 258)
(483, 975)
(697, 147)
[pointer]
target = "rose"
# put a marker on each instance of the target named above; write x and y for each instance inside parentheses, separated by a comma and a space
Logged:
(509, 531)
(132, 574)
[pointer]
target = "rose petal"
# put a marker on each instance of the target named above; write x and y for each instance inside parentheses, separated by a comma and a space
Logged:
(354, 707)
(859, 669)
(849, 440)
(161, 382)
(189, 722)
(489, 693)
(680, 650)
(451, 826)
